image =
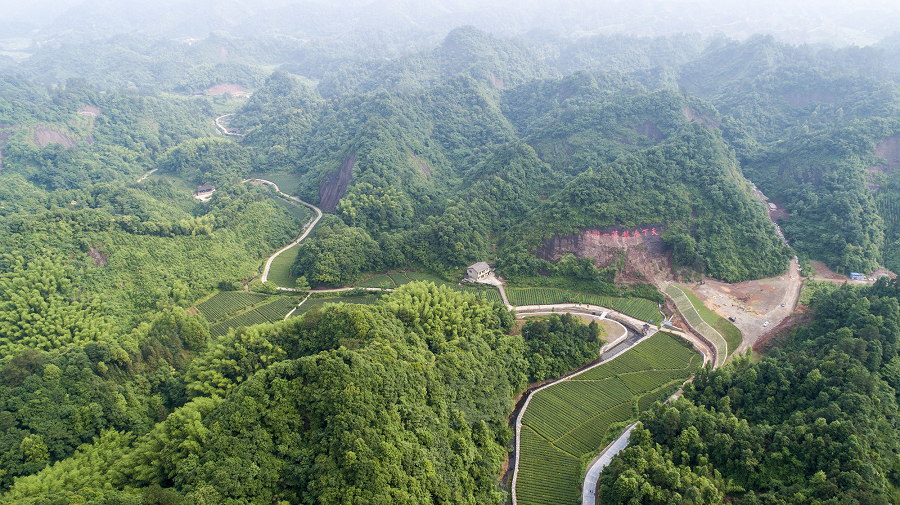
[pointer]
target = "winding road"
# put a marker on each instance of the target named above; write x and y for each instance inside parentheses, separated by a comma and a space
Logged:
(610, 351)
(225, 130)
(308, 228)
(592, 476)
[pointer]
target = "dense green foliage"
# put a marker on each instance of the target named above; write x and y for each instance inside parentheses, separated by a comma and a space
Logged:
(402, 400)
(140, 247)
(207, 160)
(437, 184)
(564, 340)
(53, 402)
(813, 422)
(457, 128)
(336, 255)
(476, 148)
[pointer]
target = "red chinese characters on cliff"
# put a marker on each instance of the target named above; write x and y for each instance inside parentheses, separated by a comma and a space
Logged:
(639, 233)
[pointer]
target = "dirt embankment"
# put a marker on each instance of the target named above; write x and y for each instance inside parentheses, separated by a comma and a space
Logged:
(98, 257)
(89, 111)
(800, 317)
(707, 121)
(44, 136)
(334, 185)
(646, 257)
(889, 150)
(823, 273)
(649, 129)
(235, 90)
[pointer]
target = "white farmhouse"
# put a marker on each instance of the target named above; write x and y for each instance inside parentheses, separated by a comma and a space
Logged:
(478, 271)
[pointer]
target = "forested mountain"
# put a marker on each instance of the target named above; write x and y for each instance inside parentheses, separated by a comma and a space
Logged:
(429, 157)
(396, 155)
(813, 422)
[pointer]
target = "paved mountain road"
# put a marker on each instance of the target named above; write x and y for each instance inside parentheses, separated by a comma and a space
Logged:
(308, 228)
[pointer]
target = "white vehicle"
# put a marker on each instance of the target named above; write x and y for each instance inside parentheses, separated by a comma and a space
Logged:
(766, 323)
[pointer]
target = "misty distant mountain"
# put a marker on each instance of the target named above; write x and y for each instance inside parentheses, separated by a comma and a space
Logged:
(837, 22)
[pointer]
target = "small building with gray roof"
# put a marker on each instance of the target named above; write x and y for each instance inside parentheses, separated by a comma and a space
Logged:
(478, 271)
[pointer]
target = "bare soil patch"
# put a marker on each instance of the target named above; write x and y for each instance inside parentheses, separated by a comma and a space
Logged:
(753, 306)
(610, 328)
(889, 150)
(235, 90)
(646, 257)
(882, 272)
(825, 273)
(778, 213)
(496, 81)
(649, 129)
(99, 258)
(89, 111)
(44, 136)
(4, 137)
(777, 334)
(707, 121)
(422, 166)
(334, 185)
(755, 297)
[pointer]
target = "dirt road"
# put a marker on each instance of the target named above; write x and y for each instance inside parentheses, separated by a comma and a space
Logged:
(148, 174)
(754, 303)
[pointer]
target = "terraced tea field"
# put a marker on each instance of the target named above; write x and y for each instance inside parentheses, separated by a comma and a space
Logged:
(488, 293)
(267, 313)
(568, 421)
(399, 279)
(226, 303)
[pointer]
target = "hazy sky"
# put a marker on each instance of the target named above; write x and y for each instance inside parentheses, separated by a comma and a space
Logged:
(843, 21)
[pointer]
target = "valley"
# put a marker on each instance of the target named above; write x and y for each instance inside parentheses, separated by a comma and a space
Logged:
(232, 269)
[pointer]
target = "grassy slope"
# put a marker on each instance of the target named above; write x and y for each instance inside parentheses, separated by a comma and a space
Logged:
(280, 271)
(732, 335)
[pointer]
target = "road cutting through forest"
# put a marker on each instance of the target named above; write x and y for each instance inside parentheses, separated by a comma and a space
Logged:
(307, 229)
(611, 350)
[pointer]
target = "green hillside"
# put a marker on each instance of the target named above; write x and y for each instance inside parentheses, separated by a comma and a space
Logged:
(137, 367)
